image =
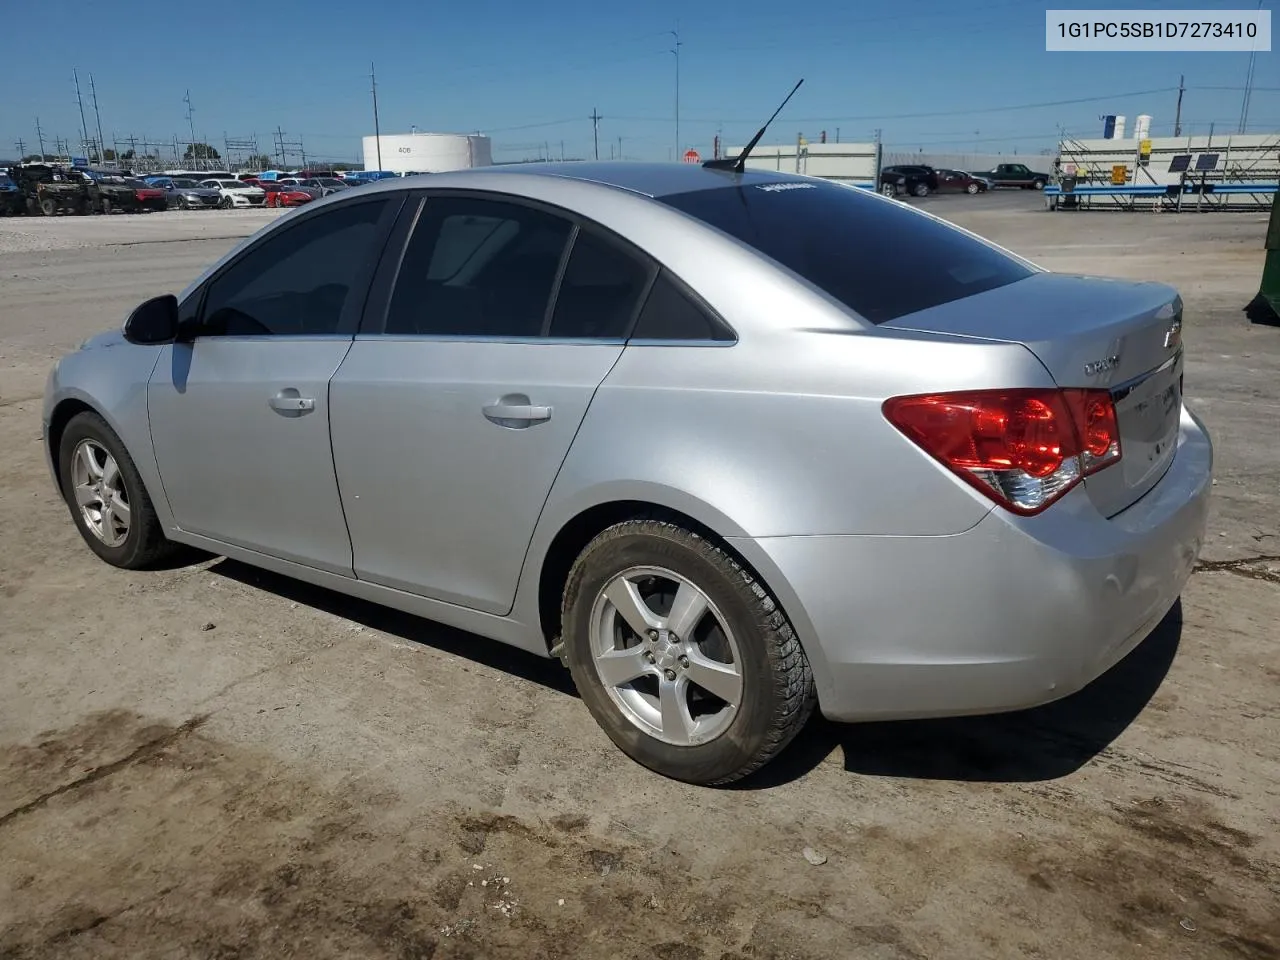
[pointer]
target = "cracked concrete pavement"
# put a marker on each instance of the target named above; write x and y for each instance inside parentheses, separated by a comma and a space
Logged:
(213, 761)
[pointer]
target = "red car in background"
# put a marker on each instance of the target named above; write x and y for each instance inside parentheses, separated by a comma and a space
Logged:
(285, 195)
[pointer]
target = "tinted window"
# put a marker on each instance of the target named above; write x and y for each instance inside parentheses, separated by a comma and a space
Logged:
(670, 315)
(600, 291)
(477, 268)
(879, 258)
(297, 282)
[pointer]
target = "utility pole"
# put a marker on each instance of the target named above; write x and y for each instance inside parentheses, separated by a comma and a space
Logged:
(1248, 84)
(676, 50)
(595, 130)
(1177, 114)
(94, 91)
(619, 148)
(40, 137)
(377, 135)
(22, 148)
(191, 124)
(84, 129)
(280, 147)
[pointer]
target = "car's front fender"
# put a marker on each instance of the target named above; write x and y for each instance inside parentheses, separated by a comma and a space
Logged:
(110, 377)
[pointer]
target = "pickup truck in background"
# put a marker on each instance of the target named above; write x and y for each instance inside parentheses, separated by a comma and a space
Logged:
(1013, 175)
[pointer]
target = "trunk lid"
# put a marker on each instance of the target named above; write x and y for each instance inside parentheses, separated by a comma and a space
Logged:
(1096, 333)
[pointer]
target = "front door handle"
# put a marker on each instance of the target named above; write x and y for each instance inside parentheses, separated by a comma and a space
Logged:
(515, 411)
(289, 402)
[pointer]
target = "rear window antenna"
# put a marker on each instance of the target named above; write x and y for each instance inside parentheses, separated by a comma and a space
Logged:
(739, 163)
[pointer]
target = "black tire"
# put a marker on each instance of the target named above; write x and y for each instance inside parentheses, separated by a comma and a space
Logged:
(778, 693)
(1037, 185)
(972, 189)
(106, 205)
(920, 189)
(227, 203)
(145, 544)
(49, 207)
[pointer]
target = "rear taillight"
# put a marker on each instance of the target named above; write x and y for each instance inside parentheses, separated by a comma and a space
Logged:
(139, 195)
(1022, 448)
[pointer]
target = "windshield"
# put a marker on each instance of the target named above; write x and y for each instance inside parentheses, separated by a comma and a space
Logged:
(184, 184)
(879, 258)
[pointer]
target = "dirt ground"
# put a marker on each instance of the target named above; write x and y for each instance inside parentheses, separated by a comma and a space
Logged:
(213, 762)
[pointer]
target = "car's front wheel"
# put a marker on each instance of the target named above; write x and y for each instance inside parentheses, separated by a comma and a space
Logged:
(227, 203)
(972, 188)
(104, 492)
(681, 655)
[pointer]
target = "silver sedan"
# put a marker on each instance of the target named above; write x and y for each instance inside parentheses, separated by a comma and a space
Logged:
(731, 445)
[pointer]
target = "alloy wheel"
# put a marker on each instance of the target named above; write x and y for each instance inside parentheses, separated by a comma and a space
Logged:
(100, 493)
(666, 656)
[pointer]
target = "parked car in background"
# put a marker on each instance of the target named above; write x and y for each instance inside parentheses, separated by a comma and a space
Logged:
(957, 181)
(326, 185)
(10, 197)
(286, 194)
(455, 396)
(182, 193)
(1013, 175)
(118, 192)
(919, 180)
(236, 193)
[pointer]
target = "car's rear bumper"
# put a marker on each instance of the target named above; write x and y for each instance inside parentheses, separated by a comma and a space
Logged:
(1012, 613)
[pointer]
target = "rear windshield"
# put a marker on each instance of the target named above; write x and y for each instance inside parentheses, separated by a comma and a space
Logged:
(877, 257)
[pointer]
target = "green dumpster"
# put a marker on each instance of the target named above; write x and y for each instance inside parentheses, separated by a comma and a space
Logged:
(1270, 290)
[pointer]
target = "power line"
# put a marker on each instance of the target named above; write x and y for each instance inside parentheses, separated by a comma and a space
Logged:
(929, 114)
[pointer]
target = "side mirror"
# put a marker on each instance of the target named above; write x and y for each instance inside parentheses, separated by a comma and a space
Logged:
(153, 321)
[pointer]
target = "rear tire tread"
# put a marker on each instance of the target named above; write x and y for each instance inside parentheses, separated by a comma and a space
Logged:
(794, 688)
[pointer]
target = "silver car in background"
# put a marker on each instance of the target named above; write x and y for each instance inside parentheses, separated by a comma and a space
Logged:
(732, 445)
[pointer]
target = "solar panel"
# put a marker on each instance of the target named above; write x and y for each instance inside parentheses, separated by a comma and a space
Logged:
(1180, 163)
(1206, 161)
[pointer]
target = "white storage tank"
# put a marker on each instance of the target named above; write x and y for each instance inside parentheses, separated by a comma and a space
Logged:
(428, 152)
(1119, 135)
(1142, 127)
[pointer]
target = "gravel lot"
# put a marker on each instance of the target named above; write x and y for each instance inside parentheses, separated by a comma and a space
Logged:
(215, 762)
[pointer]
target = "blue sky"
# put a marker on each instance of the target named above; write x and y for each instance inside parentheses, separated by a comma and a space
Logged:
(928, 73)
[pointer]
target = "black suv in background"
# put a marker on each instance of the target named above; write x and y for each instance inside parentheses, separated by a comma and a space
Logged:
(918, 180)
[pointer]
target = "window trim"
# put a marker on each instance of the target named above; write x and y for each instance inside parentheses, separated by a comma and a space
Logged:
(349, 320)
(373, 322)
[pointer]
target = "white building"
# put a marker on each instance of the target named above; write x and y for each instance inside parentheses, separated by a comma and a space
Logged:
(427, 152)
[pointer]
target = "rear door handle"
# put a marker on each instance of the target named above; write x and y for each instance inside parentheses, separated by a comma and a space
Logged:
(516, 411)
(289, 401)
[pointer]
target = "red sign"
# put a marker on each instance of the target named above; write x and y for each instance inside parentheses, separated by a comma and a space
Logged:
(691, 156)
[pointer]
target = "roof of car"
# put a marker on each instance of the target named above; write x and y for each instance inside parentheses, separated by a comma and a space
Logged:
(648, 179)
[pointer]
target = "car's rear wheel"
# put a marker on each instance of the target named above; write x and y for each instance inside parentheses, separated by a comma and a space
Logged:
(49, 207)
(888, 190)
(1037, 185)
(920, 189)
(107, 499)
(106, 205)
(681, 655)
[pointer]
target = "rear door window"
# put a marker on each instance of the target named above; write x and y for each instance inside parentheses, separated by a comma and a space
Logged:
(880, 259)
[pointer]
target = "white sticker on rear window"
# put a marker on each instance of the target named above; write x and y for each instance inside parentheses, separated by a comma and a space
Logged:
(779, 187)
